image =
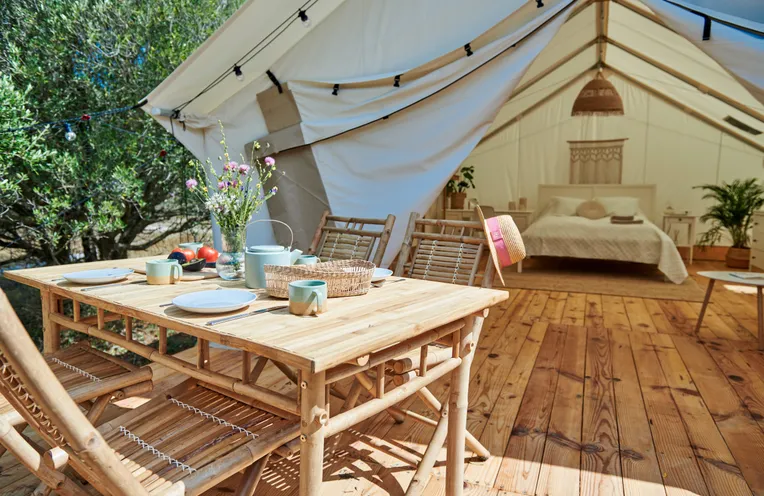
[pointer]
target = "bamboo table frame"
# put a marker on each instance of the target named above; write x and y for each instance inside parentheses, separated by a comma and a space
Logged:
(355, 335)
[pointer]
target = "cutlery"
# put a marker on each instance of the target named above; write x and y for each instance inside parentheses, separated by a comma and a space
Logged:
(380, 284)
(91, 288)
(248, 314)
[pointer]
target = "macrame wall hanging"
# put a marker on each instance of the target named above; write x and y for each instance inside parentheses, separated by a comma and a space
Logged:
(598, 97)
(596, 162)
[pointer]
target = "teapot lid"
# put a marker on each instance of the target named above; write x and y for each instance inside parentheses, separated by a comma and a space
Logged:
(266, 249)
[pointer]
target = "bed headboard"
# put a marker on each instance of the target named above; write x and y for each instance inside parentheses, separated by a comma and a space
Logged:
(644, 192)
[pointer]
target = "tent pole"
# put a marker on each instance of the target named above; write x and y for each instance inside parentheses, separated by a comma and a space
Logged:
(537, 104)
(703, 117)
(692, 82)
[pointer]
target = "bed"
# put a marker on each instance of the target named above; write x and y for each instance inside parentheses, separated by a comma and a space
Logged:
(558, 232)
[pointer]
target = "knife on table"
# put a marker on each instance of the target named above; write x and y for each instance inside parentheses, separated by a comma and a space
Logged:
(248, 314)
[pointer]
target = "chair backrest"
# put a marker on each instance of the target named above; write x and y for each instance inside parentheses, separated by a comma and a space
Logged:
(346, 238)
(440, 250)
(488, 211)
(32, 388)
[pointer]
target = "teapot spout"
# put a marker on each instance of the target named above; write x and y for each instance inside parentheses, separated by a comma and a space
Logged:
(295, 254)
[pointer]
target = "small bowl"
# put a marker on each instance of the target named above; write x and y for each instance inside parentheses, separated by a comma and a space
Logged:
(195, 265)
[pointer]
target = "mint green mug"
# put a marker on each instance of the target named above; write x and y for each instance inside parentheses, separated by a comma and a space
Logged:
(307, 297)
(307, 260)
(166, 271)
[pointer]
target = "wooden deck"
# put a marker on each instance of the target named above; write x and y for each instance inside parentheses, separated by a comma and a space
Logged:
(573, 394)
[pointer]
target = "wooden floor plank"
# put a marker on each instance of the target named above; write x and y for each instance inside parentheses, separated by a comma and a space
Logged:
(679, 321)
(593, 316)
(600, 458)
(639, 316)
(680, 471)
(536, 308)
(719, 469)
(639, 462)
(614, 313)
(555, 306)
(660, 321)
(492, 374)
(575, 309)
(560, 471)
(742, 434)
(724, 313)
(522, 458)
(496, 434)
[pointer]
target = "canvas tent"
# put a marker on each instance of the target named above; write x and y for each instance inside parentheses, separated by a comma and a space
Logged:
(371, 109)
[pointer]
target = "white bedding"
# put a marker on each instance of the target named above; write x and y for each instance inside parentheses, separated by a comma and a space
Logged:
(578, 237)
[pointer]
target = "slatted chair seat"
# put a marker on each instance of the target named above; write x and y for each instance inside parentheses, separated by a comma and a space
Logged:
(349, 238)
(87, 374)
(184, 442)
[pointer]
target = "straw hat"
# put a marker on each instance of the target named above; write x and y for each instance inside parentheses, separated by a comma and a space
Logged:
(504, 241)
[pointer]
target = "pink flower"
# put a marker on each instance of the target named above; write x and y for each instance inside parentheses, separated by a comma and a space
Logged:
(243, 169)
(230, 166)
(269, 161)
(234, 183)
(222, 185)
(191, 184)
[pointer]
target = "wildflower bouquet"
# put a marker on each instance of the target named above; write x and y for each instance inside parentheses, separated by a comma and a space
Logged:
(237, 195)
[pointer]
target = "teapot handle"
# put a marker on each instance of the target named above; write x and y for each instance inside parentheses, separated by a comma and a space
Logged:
(291, 232)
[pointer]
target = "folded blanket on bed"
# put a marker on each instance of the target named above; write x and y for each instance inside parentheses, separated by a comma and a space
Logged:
(625, 220)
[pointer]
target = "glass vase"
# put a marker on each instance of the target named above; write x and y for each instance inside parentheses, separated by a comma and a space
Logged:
(230, 263)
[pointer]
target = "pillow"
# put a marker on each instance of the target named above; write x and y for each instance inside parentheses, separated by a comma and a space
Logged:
(591, 209)
(563, 205)
(620, 205)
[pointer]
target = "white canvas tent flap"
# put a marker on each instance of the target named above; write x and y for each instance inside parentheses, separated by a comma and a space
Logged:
(375, 148)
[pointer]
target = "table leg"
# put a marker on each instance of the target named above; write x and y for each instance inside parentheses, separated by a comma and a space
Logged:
(313, 416)
(457, 418)
(760, 301)
(51, 331)
(705, 304)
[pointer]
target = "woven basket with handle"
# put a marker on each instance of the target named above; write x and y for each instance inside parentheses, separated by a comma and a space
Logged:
(343, 277)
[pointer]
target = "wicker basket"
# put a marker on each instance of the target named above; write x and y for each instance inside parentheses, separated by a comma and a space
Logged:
(343, 277)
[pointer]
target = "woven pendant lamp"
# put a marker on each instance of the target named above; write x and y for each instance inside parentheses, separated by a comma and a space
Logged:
(598, 97)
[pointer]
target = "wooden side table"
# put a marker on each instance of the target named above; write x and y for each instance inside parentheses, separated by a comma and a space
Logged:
(670, 224)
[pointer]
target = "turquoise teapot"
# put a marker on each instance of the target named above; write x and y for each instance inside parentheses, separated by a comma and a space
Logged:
(257, 257)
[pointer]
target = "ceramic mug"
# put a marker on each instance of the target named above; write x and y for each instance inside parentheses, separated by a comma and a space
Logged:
(306, 260)
(194, 247)
(166, 271)
(307, 297)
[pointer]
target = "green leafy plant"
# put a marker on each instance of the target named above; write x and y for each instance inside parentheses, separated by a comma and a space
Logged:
(733, 211)
(462, 181)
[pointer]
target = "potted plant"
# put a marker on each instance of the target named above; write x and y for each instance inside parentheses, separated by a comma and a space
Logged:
(459, 184)
(733, 212)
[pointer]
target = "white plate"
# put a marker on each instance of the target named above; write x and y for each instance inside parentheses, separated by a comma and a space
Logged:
(99, 276)
(214, 301)
(381, 274)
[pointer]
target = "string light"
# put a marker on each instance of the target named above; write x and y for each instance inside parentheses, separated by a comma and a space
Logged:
(239, 74)
(69, 134)
(304, 18)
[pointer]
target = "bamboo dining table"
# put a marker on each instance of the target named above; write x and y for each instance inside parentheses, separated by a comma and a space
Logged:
(355, 335)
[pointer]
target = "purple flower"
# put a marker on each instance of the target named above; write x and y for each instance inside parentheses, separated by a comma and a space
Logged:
(269, 161)
(191, 184)
(222, 185)
(274, 190)
(234, 183)
(243, 169)
(230, 166)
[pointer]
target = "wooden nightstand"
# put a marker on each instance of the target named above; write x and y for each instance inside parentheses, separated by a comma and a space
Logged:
(681, 228)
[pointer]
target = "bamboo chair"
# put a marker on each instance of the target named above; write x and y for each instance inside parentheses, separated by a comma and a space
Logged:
(345, 238)
(183, 443)
(447, 251)
(92, 378)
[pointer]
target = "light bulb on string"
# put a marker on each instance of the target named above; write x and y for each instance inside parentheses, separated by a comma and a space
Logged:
(239, 74)
(304, 18)
(69, 134)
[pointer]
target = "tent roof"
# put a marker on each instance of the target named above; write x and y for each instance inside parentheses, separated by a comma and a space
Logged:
(630, 41)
